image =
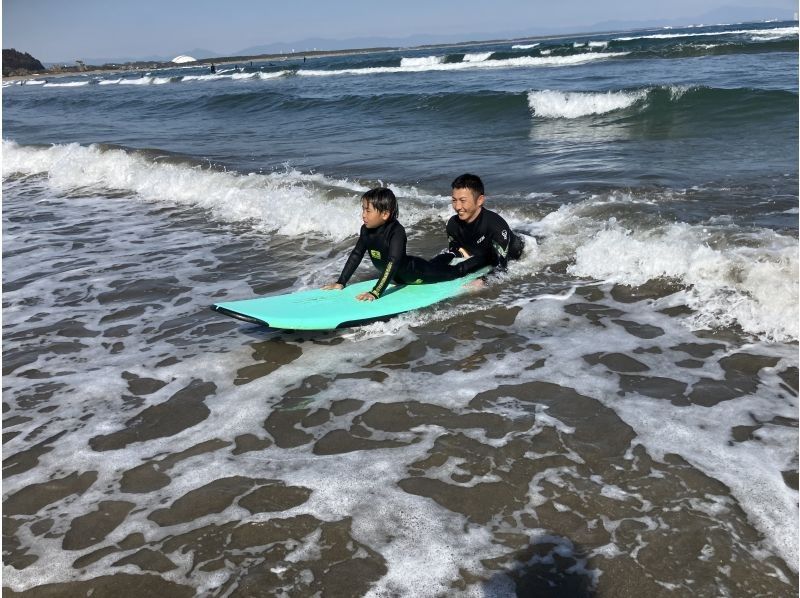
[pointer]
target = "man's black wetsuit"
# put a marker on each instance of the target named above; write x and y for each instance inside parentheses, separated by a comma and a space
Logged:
(488, 239)
(387, 250)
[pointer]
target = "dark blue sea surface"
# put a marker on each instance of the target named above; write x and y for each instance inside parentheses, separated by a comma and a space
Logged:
(714, 106)
(615, 415)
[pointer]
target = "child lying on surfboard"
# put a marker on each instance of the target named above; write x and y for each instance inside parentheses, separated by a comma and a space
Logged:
(385, 239)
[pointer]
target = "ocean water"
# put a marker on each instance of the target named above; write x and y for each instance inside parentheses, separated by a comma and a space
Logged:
(616, 415)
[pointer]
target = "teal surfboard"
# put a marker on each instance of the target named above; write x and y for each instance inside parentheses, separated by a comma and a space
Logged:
(326, 310)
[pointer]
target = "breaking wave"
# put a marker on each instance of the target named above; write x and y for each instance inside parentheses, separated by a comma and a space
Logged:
(727, 275)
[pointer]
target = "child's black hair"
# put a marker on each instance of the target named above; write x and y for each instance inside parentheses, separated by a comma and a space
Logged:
(383, 200)
(469, 181)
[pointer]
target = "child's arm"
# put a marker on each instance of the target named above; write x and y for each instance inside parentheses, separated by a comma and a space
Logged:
(396, 253)
(383, 282)
(350, 265)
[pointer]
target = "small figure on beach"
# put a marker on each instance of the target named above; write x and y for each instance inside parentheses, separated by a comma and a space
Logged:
(481, 236)
(385, 238)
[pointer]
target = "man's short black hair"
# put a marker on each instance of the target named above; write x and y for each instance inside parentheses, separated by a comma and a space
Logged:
(469, 181)
(383, 200)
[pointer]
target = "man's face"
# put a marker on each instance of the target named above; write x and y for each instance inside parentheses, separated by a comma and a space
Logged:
(466, 204)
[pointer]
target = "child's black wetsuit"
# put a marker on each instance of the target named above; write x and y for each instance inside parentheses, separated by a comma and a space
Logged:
(387, 250)
(488, 239)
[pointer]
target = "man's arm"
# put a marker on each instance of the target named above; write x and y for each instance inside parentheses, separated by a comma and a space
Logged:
(501, 244)
(500, 238)
(453, 250)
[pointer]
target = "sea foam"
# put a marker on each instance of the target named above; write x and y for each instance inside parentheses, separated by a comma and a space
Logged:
(279, 201)
(422, 61)
(436, 63)
(754, 286)
(769, 34)
(564, 104)
(479, 57)
(67, 84)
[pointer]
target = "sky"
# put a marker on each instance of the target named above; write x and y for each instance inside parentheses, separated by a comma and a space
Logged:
(66, 30)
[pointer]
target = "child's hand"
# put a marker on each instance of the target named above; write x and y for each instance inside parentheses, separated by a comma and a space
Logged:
(334, 286)
(463, 252)
(366, 297)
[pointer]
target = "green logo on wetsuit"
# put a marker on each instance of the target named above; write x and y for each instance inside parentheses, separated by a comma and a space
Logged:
(375, 253)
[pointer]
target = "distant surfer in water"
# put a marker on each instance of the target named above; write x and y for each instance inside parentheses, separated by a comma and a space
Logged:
(476, 233)
(385, 239)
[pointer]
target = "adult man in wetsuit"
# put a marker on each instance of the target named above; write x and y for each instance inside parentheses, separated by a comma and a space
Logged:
(476, 233)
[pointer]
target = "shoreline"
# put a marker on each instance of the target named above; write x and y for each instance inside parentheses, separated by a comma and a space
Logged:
(227, 60)
(134, 67)
(201, 63)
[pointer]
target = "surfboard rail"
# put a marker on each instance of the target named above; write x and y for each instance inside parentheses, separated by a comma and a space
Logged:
(238, 316)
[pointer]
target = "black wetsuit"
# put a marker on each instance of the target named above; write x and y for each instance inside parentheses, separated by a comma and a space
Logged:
(488, 239)
(387, 250)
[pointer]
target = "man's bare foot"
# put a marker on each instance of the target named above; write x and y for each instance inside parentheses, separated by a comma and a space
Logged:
(475, 285)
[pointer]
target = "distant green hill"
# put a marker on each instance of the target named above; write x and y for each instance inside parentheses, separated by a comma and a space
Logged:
(17, 63)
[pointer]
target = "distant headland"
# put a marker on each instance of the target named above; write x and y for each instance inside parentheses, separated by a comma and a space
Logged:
(19, 63)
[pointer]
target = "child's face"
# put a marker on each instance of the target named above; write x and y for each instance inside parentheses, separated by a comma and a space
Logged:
(371, 217)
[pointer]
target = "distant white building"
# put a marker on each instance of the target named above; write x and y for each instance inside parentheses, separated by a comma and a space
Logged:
(183, 58)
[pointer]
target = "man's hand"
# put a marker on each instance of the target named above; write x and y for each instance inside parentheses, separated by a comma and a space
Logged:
(366, 297)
